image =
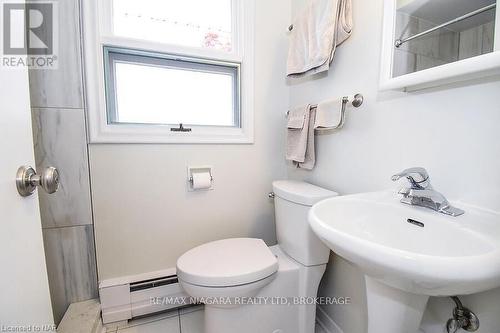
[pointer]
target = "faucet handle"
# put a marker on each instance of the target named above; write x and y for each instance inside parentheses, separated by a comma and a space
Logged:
(418, 177)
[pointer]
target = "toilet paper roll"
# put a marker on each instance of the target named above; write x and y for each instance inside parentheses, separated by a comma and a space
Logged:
(201, 180)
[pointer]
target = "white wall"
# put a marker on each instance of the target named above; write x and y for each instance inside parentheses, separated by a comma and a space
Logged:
(144, 216)
(452, 131)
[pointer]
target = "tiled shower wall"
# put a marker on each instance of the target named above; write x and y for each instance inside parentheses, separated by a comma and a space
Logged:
(476, 41)
(437, 48)
(60, 140)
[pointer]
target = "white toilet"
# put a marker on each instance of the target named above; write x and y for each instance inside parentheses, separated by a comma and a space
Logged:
(248, 287)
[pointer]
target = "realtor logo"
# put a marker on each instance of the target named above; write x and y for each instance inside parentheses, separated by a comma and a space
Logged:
(29, 34)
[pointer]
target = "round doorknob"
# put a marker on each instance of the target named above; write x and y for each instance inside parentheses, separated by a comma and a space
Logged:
(27, 180)
(49, 180)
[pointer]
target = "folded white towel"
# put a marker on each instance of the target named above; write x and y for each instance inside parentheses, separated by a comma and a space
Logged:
(316, 33)
(300, 137)
(297, 117)
(328, 114)
(310, 158)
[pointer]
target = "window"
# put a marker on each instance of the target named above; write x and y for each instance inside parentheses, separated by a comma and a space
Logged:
(196, 23)
(157, 64)
(145, 88)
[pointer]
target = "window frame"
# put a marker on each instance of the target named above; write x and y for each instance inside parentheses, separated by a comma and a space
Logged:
(113, 55)
(97, 34)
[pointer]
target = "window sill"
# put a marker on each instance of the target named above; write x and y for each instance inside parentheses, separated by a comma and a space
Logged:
(158, 134)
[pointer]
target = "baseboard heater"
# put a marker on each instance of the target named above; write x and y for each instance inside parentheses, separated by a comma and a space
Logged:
(140, 295)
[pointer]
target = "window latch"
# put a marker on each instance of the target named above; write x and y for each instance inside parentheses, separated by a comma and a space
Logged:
(181, 128)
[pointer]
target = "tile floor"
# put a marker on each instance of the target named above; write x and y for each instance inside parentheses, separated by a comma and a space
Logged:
(188, 320)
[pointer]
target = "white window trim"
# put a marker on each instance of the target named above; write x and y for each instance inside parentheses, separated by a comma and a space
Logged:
(96, 34)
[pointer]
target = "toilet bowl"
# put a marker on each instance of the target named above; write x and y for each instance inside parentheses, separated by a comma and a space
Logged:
(248, 287)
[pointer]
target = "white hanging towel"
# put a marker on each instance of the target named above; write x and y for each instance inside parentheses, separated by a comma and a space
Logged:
(297, 133)
(300, 137)
(310, 158)
(316, 33)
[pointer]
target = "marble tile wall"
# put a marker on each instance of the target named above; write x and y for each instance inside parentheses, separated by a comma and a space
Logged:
(70, 262)
(404, 62)
(471, 43)
(488, 37)
(476, 41)
(60, 140)
(62, 88)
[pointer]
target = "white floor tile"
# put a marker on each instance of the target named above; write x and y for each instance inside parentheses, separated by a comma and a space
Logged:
(165, 325)
(81, 317)
(192, 322)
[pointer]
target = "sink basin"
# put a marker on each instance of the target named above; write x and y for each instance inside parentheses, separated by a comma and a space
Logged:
(409, 253)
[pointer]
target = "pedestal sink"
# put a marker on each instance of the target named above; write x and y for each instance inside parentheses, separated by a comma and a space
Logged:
(409, 253)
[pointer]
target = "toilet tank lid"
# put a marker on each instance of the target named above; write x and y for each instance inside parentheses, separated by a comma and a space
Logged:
(301, 192)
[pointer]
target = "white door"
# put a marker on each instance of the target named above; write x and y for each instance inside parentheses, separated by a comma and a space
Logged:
(24, 290)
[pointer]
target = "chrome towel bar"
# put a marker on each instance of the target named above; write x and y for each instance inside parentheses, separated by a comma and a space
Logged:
(356, 102)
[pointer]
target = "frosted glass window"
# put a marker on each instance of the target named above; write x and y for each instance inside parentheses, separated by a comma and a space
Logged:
(157, 89)
(195, 23)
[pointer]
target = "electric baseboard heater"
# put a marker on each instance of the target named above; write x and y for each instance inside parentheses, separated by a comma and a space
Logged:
(135, 296)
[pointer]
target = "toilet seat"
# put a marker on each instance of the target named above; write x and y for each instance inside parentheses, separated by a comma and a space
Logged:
(227, 263)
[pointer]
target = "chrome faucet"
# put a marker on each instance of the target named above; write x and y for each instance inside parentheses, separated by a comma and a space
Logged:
(421, 193)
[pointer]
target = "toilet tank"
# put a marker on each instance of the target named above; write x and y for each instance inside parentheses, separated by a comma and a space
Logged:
(292, 202)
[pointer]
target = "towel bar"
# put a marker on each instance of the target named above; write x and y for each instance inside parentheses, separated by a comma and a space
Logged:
(356, 102)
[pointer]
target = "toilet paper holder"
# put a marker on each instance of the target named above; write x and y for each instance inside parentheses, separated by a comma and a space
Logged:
(199, 169)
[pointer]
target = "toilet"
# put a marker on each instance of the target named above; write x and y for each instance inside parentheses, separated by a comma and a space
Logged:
(248, 287)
